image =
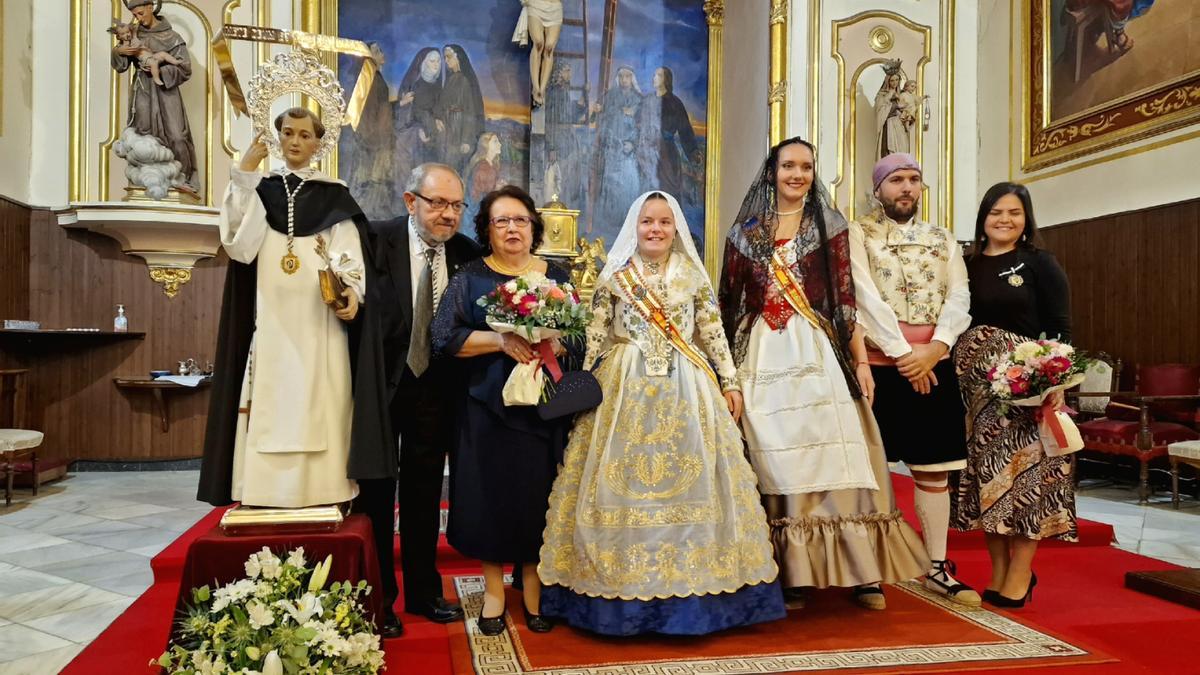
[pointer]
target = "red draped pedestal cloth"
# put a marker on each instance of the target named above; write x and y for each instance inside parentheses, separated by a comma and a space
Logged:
(216, 558)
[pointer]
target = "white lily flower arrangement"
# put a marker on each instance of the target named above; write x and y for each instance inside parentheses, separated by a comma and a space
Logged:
(281, 619)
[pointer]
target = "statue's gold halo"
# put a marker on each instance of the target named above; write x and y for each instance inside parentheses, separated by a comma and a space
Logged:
(296, 72)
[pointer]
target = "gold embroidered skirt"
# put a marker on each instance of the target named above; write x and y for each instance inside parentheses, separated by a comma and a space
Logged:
(655, 498)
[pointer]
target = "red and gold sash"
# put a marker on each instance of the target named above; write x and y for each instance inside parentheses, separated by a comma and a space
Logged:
(793, 290)
(638, 295)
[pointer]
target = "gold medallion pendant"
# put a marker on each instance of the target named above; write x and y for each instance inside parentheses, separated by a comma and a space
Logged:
(1016, 280)
(290, 263)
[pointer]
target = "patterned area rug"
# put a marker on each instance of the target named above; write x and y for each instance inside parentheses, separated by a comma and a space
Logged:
(919, 632)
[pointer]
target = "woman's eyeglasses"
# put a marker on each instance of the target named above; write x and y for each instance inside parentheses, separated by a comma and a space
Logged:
(505, 222)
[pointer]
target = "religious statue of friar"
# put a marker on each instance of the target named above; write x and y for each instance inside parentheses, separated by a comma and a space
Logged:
(299, 404)
(157, 141)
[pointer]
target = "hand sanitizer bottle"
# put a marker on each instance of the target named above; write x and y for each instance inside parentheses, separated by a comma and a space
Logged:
(120, 322)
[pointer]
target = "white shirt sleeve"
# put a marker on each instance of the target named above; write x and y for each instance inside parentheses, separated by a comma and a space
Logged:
(345, 249)
(955, 317)
(874, 315)
(243, 219)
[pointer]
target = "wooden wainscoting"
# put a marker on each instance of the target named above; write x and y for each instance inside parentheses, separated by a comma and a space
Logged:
(14, 260)
(1135, 282)
(75, 278)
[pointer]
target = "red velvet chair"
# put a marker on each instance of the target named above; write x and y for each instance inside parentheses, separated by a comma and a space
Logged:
(1141, 424)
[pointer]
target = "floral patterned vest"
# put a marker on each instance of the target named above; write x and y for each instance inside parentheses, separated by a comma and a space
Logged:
(910, 265)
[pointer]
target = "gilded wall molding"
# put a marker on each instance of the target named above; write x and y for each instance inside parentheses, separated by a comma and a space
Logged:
(847, 113)
(777, 101)
(170, 278)
(715, 11)
(1138, 115)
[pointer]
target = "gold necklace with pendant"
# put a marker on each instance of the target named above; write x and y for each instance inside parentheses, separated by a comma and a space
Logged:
(290, 263)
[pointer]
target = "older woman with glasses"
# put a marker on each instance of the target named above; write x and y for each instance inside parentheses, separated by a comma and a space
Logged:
(505, 458)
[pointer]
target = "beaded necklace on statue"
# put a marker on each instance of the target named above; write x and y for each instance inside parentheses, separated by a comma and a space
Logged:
(290, 263)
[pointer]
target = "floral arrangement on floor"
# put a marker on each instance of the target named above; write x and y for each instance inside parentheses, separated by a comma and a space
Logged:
(280, 619)
(1029, 375)
(538, 309)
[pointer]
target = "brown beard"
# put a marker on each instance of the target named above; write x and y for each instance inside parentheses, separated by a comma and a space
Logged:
(895, 213)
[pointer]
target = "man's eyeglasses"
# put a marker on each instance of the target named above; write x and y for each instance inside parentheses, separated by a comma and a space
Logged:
(505, 222)
(439, 204)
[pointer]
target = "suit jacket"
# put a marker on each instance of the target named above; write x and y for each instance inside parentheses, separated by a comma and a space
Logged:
(394, 293)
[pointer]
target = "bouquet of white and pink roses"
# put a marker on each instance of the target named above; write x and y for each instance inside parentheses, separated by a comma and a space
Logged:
(1029, 375)
(538, 309)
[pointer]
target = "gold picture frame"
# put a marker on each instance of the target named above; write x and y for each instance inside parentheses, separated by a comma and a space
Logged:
(1152, 110)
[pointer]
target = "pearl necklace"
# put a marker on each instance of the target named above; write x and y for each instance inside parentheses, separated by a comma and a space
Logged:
(290, 263)
(803, 203)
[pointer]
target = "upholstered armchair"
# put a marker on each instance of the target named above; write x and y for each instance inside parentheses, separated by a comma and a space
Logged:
(1161, 410)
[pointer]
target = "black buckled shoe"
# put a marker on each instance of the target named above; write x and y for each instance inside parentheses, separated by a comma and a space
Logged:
(440, 611)
(390, 627)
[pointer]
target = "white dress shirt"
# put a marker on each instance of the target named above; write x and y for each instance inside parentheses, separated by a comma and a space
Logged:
(416, 251)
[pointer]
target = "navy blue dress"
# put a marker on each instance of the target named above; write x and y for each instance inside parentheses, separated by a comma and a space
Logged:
(504, 459)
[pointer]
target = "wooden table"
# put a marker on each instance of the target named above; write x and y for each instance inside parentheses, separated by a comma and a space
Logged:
(159, 388)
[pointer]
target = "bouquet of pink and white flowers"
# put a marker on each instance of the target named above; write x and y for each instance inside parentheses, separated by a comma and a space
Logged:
(538, 309)
(1029, 375)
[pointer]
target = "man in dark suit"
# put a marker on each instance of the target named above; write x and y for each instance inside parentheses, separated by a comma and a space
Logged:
(416, 256)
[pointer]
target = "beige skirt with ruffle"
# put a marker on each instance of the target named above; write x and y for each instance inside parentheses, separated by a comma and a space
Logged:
(845, 538)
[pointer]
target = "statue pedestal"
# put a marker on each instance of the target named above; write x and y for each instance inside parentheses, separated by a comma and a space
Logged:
(138, 195)
(215, 558)
(171, 238)
(251, 520)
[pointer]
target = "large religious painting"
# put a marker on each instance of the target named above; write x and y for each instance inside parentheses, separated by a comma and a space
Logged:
(1105, 72)
(619, 108)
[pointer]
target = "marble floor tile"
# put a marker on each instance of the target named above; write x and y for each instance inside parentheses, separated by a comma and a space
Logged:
(24, 607)
(127, 540)
(45, 663)
(24, 541)
(19, 580)
(81, 625)
(17, 641)
(85, 504)
(47, 555)
(107, 566)
(178, 521)
(131, 511)
(132, 584)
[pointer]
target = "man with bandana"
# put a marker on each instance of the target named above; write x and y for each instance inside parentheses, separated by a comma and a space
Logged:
(913, 299)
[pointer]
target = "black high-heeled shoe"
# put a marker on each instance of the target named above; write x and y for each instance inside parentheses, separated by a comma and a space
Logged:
(536, 622)
(491, 626)
(1000, 600)
(989, 596)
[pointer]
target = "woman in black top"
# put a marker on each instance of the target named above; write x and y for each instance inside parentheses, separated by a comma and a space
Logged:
(1010, 489)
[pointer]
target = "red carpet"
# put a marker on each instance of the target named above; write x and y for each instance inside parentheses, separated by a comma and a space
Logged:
(1080, 598)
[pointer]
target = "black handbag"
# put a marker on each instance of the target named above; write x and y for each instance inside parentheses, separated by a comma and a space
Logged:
(577, 391)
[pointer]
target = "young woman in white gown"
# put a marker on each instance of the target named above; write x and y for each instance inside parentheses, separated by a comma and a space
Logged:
(655, 524)
(789, 309)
